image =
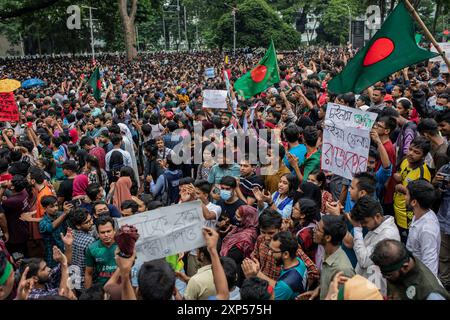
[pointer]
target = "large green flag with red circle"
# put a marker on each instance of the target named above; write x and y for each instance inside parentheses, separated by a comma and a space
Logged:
(392, 48)
(263, 76)
(96, 84)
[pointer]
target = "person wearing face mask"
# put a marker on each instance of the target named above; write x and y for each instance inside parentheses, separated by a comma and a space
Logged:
(229, 201)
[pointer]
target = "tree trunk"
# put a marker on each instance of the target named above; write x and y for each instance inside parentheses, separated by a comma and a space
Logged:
(436, 16)
(128, 27)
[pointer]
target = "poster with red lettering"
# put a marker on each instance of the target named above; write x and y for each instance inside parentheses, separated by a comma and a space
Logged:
(8, 107)
(346, 140)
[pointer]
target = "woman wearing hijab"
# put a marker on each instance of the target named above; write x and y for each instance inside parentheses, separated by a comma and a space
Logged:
(80, 184)
(121, 191)
(239, 243)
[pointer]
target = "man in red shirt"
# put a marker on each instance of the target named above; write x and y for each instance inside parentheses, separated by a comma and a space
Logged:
(87, 144)
(384, 126)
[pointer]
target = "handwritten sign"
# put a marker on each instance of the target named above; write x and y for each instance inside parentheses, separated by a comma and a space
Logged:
(210, 73)
(166, 231)
(8, 107)
(215, 99)
(346, 140)
(9, 85)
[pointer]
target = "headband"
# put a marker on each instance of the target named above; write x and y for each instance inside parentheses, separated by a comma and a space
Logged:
(6, 274)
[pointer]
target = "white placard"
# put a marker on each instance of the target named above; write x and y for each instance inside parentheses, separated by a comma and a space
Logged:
(210, 73)
(445, 46)
(346, 140)
(215, 99)
(167, 230)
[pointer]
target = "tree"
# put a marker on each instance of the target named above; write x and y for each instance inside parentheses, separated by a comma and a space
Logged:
(257, 23)
(128, 27)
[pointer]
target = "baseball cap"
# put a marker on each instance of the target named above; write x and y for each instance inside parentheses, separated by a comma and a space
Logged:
(388, 97)
(439, 82)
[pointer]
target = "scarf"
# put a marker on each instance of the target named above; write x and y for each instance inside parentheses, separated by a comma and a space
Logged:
(80, 184)
(122, 191)
(244, 236)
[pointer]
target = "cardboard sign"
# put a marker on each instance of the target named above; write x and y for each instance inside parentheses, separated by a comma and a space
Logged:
(8, 107)
(346, 140)
(215, 99)
(167, 231)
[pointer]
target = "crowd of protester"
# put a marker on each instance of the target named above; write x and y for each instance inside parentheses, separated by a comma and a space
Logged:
(281, 229)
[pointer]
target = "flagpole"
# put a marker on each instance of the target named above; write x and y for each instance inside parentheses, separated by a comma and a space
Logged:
(427, 32)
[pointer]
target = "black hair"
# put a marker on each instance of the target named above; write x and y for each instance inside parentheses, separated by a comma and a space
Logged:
(422, 191)
(428, 125)
(422, 143)
(311, 135)
(19, 183)
(320, 177)
(388, 252)
(406, 104)
(230, 269)
(255, 288)
(37, 175)
(4, 164)
(275, 113)
(129, 204)
(291, 133)
(294, 182)
(381, 89)
(156, 280)
(270, 218)
(366, 182)
(203, 185)
(366, 207)
(229, 181)
(129, 172)
(186, 180)
(92, 191)
(390, 122)
(93, 161)
(154, 204)
(287, 243)
(33, 265)
(103, 220)
(48, 201)
(310, 209)
(86, 141)
(77, 216)
(116, 139)
(335, 227)
(70, 165)
(96, 292)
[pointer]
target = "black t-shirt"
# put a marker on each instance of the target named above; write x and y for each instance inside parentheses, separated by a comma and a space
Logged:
(229, 209)
(247, 184)
(65, 189)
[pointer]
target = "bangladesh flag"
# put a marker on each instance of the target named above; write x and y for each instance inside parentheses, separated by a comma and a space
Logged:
(263, 76)
(392, 48)
(96, 84)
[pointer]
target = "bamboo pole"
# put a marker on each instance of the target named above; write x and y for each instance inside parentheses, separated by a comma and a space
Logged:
(427, 32)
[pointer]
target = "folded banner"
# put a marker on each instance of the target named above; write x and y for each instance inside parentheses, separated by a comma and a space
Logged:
(8, 107)
(210, 73)
(9, 85)
(215, 99)
(167, 231)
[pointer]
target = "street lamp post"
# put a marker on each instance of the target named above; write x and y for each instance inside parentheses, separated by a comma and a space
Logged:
(233, 13)
(350, 24)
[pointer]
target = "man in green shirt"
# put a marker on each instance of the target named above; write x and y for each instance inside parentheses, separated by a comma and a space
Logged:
(329, 232)
(100, 255)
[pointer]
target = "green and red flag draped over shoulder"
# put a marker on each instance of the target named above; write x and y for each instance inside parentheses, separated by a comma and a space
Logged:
(263, 76)
(96, 84)
(392, 48)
